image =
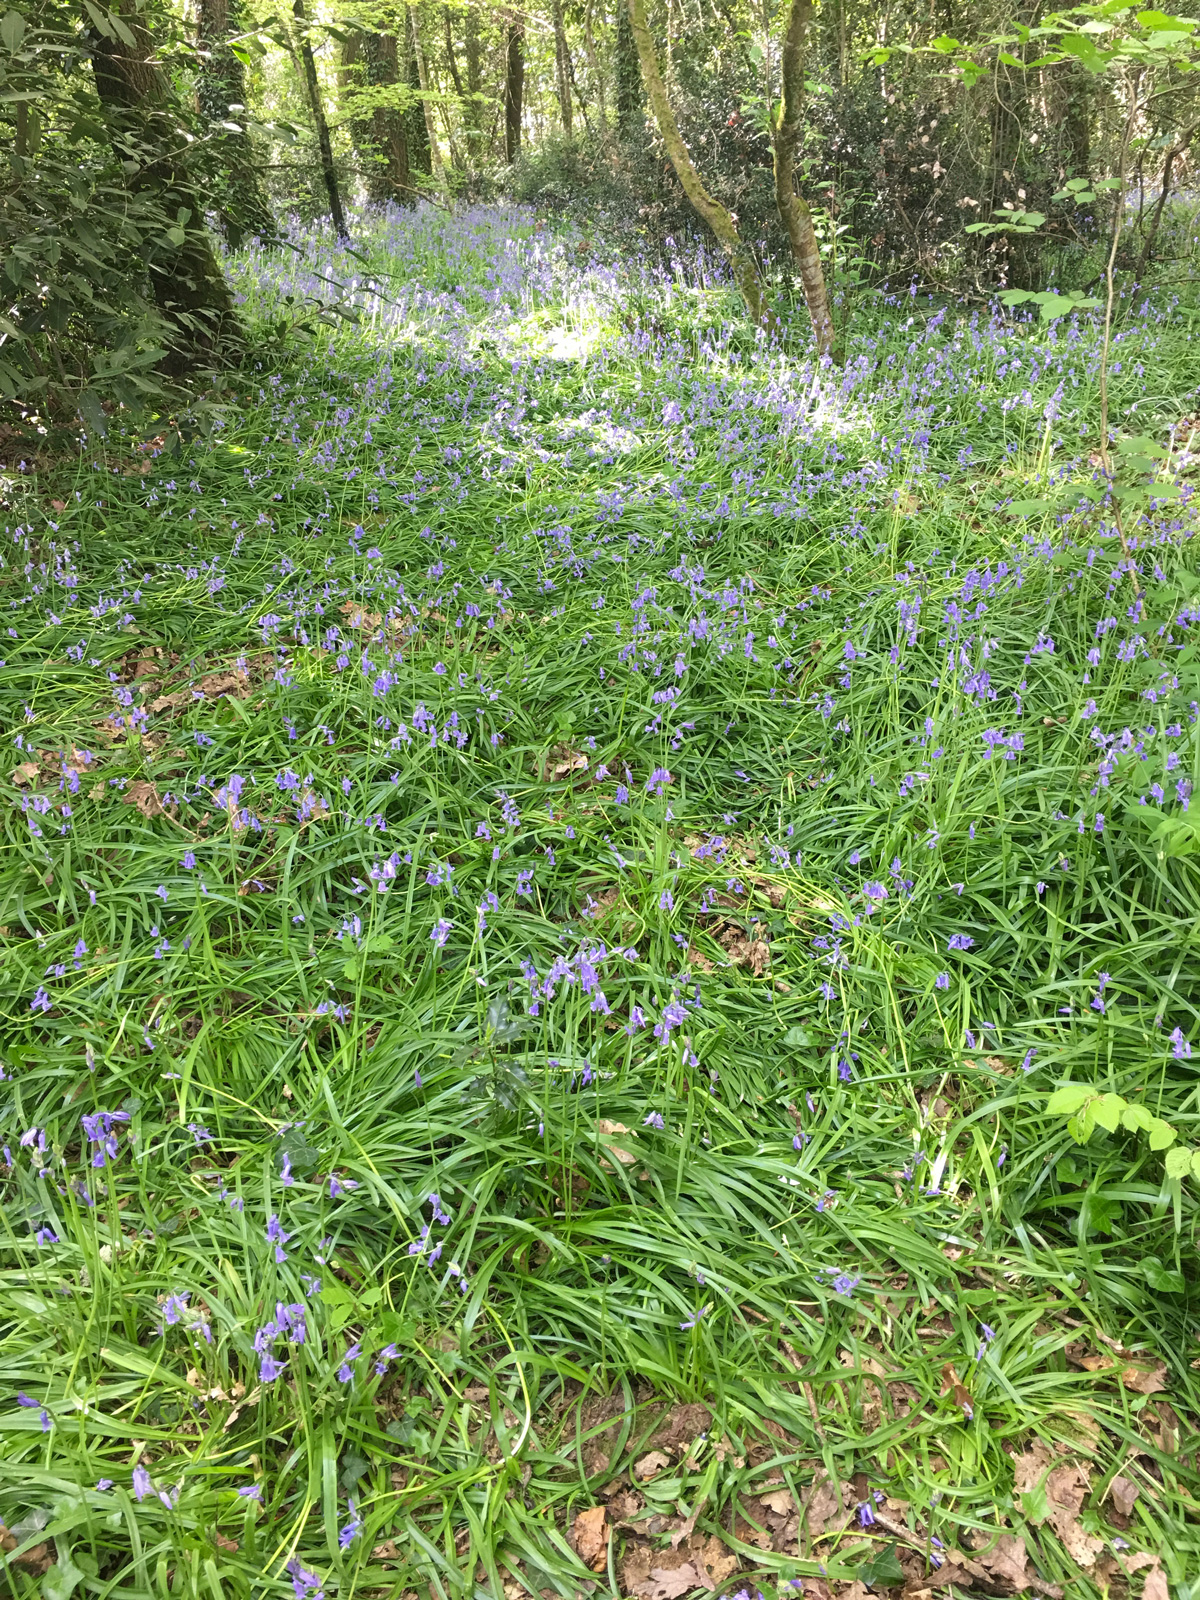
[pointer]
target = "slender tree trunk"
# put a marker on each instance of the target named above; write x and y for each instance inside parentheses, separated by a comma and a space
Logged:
(451, 58)
(417, 128)
(793, 210)
(626, 71)
(593, 59)
(324, 144)
(562, 66)
(514, 86)
(221, 86)
(188, 285)
(473, 105)
(435, 154)
(1178, 149)
(742, 263)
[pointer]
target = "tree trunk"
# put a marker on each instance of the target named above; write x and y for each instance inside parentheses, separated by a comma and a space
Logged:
(188, 285)
(473, 106)
(351, 73)
(593, 59)
(793, 211)
(562, 66)
(388, 135)
(742, 263)
(1077, 119)
(514, 86)
(221, 86)
(324, 144)
(419, 154)
(630, 120)
(1179, 148)
(435, 154)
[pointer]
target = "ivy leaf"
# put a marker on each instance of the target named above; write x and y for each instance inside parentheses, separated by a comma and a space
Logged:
(1165, 1279)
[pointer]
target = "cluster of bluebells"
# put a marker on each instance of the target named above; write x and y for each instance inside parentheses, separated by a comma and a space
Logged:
(429, 1250)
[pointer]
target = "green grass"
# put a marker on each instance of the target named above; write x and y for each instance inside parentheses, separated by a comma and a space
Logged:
(803, 1252)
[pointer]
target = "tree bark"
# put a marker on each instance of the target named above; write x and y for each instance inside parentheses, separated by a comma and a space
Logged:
(324, 144)
(188, 285)
(473, 105)
(514, 86)
(417, 128)
(562, 66)
(386, 144)
(741, 262)
(793, 210)
(1179, 148)
(243, 207)
(630, 121)
(435, 154)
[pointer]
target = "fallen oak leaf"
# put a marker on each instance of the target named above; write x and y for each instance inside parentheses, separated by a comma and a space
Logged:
(668, 1583)
(144, 796)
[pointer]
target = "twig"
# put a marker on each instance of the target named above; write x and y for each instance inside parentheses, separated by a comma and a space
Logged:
(1118, 224)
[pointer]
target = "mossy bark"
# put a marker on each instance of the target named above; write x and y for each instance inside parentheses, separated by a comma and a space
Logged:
(793, 210)
(711, 211)
(221, 85)
(186, 279)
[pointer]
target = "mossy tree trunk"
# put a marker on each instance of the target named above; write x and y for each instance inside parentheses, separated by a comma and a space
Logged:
(741, 261)
(793, 209)
(628, 76)
(221, 90)
(188, 284)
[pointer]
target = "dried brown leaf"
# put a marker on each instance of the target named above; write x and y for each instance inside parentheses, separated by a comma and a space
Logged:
(1155, 1586)
(780, 1501)
(144, 796)
(1123, 1492)
(591, 1537)
(668, 1583)
(1145, 1379)
(824, 1509)
(654, 1462)
(1006, 1562)
(607, 1129)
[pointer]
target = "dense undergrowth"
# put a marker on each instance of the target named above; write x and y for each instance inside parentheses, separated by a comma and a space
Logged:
(550, 873)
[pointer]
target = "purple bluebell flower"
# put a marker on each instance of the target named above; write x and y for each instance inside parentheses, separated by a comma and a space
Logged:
(352, 1529)
(277, 1237)
(305, 1585)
